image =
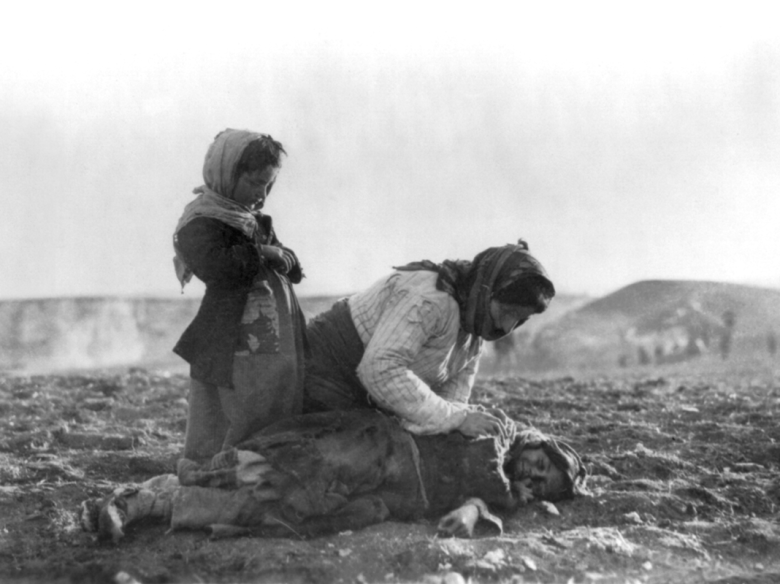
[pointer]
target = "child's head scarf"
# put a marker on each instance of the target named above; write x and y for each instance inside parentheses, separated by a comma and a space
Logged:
(214, 198)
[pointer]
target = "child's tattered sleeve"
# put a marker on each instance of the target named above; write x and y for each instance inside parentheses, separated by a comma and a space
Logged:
(215, 256)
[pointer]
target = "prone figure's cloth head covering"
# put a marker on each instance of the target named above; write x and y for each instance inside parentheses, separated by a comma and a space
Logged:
(563, 456)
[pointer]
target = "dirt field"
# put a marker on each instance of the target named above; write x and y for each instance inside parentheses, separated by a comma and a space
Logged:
(685, 487)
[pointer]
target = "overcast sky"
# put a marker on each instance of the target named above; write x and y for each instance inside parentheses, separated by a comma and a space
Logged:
(624, 143)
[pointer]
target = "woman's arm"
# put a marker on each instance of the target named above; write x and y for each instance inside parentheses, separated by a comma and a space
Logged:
(458, 388)
(406, 323)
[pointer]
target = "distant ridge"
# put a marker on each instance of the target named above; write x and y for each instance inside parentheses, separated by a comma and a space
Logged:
(647, 295)
(47, 334)
(576, 332)
(657, 316)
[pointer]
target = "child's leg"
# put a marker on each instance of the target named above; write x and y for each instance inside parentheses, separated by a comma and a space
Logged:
(268, 367)
(265, 392)
(207, 424)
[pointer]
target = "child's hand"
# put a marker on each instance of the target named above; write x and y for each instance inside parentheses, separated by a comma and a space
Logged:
(279, 258)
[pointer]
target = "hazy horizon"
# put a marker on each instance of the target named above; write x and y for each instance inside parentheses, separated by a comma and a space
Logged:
(624, 143)
(194, 292)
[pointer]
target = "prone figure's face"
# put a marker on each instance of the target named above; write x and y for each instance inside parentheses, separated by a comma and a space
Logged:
(531, 469)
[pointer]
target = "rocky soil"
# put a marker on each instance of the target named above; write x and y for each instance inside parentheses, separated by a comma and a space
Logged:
(685, 487)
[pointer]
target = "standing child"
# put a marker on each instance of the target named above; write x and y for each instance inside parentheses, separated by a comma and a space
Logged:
(245, 345)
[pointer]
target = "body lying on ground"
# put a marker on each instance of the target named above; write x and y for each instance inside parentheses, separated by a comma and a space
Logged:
(327, 472)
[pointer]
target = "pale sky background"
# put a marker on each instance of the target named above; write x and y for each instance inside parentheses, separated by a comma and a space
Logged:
(624, 141)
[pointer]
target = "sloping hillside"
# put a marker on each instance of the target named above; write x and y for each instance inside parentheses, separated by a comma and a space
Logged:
(517, 352)
(662, 321)
(58, 334)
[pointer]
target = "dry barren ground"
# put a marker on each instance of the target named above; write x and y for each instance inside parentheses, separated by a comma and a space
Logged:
(685, 487)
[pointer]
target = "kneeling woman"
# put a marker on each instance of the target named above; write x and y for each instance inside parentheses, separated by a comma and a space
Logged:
(410, 344)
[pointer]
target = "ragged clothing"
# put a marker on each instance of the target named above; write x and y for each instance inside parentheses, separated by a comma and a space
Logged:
(319, 462)
(227, 261)
(326, 472)
(209, 204)
(217, 240)
(247, 342)
(315, 464)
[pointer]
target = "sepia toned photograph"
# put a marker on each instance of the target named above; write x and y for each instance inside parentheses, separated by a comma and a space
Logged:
(390, 293)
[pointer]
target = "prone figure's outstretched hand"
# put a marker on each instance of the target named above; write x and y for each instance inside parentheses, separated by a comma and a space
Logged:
(461, 521)
(523, 490)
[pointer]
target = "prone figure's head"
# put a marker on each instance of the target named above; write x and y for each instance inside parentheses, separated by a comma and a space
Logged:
(545, 468)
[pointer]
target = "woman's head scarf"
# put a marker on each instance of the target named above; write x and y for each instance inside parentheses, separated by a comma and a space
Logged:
(473, 284)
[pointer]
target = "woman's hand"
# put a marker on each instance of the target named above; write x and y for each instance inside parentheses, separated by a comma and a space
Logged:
(500, 414)
(481, 424)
